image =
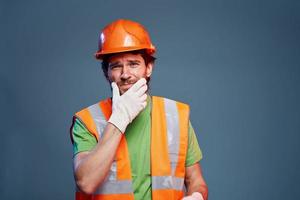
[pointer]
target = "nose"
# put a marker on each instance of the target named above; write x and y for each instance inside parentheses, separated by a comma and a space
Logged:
(126, 74)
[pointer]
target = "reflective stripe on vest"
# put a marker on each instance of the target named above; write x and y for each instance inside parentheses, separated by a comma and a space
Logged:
(167, 182)
(169, 129)
(172, 131)
(98, 119)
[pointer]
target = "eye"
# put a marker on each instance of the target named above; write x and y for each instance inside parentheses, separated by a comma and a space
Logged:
(113, 67)
(134, 64)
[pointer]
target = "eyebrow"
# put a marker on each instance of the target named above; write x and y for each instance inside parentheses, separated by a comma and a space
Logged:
(118, 63)
(137, 61)
(113, 64)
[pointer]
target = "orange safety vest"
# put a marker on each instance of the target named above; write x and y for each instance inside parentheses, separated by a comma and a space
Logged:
(169, 139)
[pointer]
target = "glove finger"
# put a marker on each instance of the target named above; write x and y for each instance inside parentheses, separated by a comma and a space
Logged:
(141, 91)
(144, 104)
(138, 84)
(197, 195)
(143, 98)
(115, 90)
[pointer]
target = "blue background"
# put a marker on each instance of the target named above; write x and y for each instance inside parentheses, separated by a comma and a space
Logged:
(235, 62)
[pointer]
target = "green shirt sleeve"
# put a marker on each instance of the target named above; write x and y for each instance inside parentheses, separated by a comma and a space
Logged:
(83, 140)
(194, 153)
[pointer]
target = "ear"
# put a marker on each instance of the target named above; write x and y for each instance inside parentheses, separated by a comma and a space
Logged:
(149, 69)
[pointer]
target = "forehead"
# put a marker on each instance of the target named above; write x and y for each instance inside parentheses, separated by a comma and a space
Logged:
(122, 57)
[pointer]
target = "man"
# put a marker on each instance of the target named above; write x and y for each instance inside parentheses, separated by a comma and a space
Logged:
(133, 145)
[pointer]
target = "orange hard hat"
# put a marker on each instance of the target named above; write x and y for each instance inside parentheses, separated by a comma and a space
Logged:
(124, 35)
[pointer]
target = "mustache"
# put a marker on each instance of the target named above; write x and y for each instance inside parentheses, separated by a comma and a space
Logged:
(128, 82)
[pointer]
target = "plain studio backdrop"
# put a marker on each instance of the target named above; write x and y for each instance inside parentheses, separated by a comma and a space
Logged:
(235, 62)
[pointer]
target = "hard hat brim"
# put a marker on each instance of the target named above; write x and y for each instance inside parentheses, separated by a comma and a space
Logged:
(100, 54)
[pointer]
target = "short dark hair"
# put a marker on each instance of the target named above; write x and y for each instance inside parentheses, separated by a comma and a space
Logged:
(147, 58)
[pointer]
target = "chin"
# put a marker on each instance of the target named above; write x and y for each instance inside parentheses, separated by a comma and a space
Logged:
(122, 91)
(124, 88)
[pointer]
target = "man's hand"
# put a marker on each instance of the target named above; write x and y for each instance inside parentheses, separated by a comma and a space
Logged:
(126, 107)
(194, 196)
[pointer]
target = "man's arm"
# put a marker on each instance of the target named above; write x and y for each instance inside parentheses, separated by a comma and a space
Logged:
(194, 181)
(91, 168)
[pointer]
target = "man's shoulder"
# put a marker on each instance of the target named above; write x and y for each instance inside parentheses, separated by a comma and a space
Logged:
(170, 100)
(167, 100)
(105, 101)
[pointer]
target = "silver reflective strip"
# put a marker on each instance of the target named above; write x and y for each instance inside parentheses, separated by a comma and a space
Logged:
(112, 176)
(172, 131)
(98, 118)
(167, 182)
(115, 187)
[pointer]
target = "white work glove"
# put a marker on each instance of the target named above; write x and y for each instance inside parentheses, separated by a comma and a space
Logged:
(194, 196)
(127, 106)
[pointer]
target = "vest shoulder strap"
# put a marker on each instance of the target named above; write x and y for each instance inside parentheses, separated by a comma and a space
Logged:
(169, 139)
(95, 117)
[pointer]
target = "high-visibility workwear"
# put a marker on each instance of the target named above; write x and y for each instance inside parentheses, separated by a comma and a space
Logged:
(169, 139)
(124, 35)
(127, 106)
(138, 138)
